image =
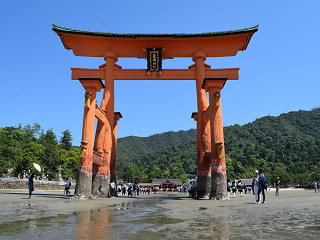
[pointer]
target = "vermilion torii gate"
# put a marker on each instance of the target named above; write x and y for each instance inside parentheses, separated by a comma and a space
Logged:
(98, 156)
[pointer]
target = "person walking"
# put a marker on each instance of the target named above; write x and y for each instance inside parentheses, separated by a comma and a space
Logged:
(112, 189)
(239, 186)
(315, 186)
(234, 187)
(67, 187)
(277, 185)
(129, 189)
(244, 187)
(262, 186)
(255, 181)
(228, 188)
(190, 189)
(118, 189)
(194, 189)
(30, 184)
(124, 189)
(134, 190)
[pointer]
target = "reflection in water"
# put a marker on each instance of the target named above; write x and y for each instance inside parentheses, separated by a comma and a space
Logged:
(94, 224)
(217, 228)
(143, 220)
(208, 227)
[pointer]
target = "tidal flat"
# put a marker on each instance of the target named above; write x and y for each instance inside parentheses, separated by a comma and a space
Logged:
(52, 215)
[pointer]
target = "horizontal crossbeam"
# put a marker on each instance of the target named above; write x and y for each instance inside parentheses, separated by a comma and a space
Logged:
(167, 74)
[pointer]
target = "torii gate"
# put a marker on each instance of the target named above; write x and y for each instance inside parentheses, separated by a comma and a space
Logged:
(98, 156)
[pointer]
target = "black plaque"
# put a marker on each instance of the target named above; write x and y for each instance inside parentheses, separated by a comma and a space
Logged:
(154, 59)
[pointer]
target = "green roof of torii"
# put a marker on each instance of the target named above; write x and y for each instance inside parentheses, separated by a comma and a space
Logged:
(57, 28)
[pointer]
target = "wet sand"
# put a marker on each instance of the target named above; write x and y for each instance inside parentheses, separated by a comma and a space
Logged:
(15, 205)
(295, 214)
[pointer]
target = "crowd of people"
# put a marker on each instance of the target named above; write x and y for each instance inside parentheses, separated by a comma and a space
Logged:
(133, 189)
(258, 187)
(129, 189)
(192, 189)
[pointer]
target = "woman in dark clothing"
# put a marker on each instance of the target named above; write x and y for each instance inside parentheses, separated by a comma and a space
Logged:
(30, 183)
(277, 183)
(262, 186)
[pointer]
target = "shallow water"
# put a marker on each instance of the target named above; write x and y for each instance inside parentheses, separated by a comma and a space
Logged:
(144, 219)
(125, 221)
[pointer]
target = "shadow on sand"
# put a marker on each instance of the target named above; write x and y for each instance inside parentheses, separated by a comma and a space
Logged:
(44, 195)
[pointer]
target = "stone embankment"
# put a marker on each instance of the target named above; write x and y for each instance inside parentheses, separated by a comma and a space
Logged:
(13, 183)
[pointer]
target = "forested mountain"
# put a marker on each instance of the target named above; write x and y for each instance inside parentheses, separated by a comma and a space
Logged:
(287, 146)
(133, 147)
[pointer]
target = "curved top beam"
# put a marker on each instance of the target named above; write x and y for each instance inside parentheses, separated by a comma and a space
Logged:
(213, 44)
(57, 28)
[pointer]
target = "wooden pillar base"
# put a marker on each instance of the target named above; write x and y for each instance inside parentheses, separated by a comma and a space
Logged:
(219, 186)
(101, 185)
(204, 186)
(83, 185)
(204, 176)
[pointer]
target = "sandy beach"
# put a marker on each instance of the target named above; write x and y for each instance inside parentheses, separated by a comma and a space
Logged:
(15, 205)
(295, 214)
(292, 215)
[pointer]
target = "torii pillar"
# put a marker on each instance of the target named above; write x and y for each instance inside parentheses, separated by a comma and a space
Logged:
(84, 177)
(104, 132)
(218, 161)
(194, 115)
(203, 132)
(113, 164)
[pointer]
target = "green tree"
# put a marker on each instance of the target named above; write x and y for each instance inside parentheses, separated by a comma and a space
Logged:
(70, 162)
(66, 140)
(50, 159)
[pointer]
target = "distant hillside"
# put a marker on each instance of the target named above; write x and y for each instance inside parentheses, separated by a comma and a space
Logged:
(287, 146)
(132, 147)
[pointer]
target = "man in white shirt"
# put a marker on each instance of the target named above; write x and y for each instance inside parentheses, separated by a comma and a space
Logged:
(113, 188)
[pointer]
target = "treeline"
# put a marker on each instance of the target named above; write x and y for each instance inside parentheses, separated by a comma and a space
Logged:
(22, 146)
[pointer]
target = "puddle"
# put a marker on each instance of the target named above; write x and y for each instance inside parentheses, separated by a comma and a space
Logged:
(125, 221)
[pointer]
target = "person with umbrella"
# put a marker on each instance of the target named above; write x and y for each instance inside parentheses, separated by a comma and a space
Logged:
(30, 184)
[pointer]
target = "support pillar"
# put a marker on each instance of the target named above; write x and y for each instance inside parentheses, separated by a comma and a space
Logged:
(218, 169)
(203, 132)
(84, 177)
(113, 163)
(194, 115)
(104, 134)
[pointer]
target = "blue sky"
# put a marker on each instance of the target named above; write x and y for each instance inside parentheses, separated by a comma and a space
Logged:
(278, 71)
